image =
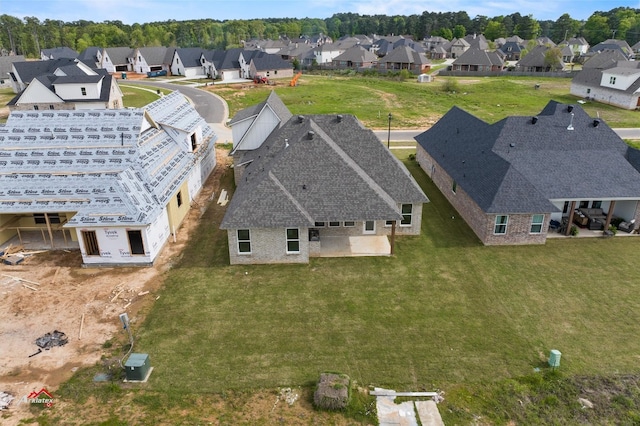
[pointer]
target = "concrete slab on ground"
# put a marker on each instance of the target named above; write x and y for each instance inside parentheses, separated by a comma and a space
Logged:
(428, 413)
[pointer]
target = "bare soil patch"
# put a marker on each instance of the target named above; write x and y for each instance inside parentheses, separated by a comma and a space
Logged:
(67, 296)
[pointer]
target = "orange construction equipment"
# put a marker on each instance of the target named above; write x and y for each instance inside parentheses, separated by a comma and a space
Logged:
(294, 80)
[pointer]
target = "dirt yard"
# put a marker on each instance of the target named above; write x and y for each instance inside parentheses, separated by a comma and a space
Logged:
(51, 291)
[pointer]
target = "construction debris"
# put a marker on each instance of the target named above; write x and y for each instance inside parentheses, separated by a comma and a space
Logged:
(49, 340)
(5, 400)
(15, 255)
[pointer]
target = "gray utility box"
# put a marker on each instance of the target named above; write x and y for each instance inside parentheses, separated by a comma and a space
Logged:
(137, 367)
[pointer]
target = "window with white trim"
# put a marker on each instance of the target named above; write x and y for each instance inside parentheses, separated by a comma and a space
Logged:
(84, 91)
(537, 220)
(500, 227)
(349, 224)
(293, 240)
(407, 215)
(244, 241)
(334, 224)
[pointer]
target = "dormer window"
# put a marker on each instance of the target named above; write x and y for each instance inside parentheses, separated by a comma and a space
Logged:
(612, 80)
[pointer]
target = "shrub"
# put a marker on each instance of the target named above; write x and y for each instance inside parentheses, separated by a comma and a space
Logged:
(574, 230)
(451, 86)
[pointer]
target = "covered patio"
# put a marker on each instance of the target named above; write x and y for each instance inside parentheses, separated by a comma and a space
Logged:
(42, 240)
(353, 246)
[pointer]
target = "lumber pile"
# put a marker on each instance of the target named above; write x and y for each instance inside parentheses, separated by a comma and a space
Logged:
(14, 255)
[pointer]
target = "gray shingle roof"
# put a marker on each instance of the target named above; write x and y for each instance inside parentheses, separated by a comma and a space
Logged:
(190, 56)
(474, 56)
(119, 55)
(357, 54)
(515, 166)
(28, 70)
(405, 55)
(60, 52)
(155, 55)
(342, 173)
(272, 101)
(265, 61)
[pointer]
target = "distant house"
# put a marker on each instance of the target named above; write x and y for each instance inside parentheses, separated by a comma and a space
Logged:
(75, 87)
(613, 44)
(326, 53)
(269, 65)
(477, 60)
(458, 46)
(510, 179)
(319, 185)
(147, 59)
(356, 57)
(116, 59)
(404, 58)
(5, 68)
(187, 62)
(477, 41)
(22, 72)
(114, 183)
(540, 59)
(58, 53)
(512, 50)
(579, 46)
(617, 84)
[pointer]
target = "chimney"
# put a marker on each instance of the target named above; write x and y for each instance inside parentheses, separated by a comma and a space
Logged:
(310, 134)
(534, 119)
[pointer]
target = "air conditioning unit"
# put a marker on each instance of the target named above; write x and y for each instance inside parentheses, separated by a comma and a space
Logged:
(137, 368)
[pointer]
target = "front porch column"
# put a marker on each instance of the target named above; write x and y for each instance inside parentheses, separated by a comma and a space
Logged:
(573, 207)
(609, 215)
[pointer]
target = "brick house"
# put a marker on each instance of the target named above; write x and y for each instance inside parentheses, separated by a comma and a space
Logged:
(508, 180)
(304, 182)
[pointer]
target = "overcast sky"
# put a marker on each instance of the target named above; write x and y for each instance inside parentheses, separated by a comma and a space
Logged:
(142, 11)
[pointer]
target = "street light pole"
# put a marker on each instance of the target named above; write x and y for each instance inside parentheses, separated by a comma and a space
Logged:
(389, 133)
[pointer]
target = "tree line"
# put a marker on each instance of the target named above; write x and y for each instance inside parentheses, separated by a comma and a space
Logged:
(29, 35)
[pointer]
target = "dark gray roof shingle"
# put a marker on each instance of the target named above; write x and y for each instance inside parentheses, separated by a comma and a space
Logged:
(515, 166)
(342, 173)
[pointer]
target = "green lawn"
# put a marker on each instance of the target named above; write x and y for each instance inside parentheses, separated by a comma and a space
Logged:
(416, 105)
(137, 97)
(445, 312)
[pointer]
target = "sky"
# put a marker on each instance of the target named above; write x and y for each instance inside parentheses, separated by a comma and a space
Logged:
(144, 11)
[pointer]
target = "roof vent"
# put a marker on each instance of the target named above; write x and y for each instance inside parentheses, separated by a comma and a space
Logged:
(339, 119)
(310, 134)
(570, 127)
(570, 108)
(512, 145)
(596, 122)
(300, 118)
(534, 119)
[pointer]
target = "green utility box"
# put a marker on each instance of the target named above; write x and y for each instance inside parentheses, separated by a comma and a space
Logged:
(554, 358)
(137, 367)
(123, 75)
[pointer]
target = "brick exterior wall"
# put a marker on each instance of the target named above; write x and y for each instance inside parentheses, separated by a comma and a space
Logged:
(518, 225)
(268, 245)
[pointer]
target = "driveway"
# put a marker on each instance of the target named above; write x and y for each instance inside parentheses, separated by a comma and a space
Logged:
(210, 106)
